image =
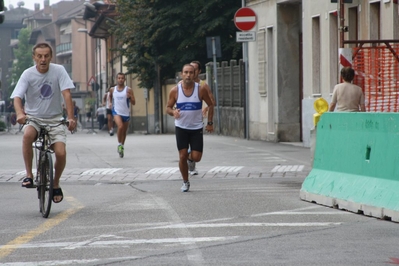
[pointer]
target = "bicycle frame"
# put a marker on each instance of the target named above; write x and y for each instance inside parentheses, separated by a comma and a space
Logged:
(44, 165)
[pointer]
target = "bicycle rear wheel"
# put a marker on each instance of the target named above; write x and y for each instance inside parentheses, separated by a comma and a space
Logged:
(46, 184)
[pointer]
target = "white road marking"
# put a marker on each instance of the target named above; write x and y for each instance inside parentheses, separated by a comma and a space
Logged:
(166, 170)
(287, 168)
(193, 252)
(225, 169)
(65, 262)
(216, 225)
(103, 243)
(100, 171)
(304, 213)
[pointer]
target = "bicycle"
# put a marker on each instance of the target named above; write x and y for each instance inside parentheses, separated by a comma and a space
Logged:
(44, 164)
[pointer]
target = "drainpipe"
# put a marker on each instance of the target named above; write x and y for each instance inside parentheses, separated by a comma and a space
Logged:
(341, 23)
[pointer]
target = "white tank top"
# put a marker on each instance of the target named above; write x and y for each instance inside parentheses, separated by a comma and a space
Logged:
(190, 109)
(121, 104)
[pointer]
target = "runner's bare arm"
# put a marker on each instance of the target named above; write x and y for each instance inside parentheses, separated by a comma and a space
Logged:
(206, 97)
(130, 95)
(111, 92)
(171, 103)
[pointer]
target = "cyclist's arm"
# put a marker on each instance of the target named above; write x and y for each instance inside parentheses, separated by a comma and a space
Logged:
(19, 110)
(69, 107)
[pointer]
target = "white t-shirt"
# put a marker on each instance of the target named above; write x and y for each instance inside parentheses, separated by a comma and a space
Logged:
(42, 92)
(102, 111)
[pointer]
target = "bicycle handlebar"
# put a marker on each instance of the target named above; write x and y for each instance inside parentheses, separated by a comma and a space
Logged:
(41, 124)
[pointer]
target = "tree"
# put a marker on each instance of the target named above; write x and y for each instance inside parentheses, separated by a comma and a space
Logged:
(157, 37)
(23, 57)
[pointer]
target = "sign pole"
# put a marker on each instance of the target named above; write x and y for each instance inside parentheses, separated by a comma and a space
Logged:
(146, 109)
(245, 58)
(215, 74)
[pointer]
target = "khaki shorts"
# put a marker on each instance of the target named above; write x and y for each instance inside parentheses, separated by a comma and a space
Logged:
(57, 134)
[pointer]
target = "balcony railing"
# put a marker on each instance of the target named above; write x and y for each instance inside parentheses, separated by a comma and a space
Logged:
(64, 49)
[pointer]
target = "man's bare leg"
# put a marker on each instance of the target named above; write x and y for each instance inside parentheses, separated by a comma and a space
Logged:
(30, 135)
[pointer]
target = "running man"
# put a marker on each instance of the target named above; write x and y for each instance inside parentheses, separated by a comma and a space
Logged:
(120, 98)
(43, 86)
(188, 96)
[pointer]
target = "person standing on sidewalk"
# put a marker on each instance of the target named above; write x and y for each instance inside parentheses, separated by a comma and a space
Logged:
(120, 98)
(188, 96)
(100, 114)
(110, 119)
(76, 111)
(43, 86)
(347, 97)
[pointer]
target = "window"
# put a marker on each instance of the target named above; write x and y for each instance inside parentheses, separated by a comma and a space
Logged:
(333, 50)
(316, 54)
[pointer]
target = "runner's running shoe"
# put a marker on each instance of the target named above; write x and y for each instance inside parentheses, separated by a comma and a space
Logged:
(120, 151)
(185, 187)
(191, 168)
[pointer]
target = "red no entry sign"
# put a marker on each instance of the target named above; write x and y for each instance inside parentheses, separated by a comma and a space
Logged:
(245, 19)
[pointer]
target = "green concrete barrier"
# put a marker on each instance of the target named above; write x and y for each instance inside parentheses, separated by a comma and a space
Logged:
(356, 164)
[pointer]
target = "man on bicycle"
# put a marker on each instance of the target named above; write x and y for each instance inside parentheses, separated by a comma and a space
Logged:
(44, 86)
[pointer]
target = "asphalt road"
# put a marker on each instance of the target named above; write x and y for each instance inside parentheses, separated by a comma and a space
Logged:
(242, 209)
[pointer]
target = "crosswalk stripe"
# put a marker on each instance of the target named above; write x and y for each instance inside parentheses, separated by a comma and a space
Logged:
(24, 172)
(100, 171)
(167, 170)
(225, 169)
(287, 168)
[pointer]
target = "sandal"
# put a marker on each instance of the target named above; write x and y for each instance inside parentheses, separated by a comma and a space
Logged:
(57, 192)
(28, 182)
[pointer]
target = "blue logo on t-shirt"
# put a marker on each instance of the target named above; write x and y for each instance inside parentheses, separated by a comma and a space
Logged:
(46, 91)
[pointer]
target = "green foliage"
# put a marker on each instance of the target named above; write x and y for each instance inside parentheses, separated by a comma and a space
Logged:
(23, 56)
(169, 34)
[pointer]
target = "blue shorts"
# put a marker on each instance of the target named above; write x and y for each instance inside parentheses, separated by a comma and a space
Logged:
(125, 118)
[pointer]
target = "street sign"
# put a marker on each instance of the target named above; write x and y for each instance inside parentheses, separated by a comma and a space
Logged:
(245, 36)
(245, 19)
(209, 49)
(91, 81)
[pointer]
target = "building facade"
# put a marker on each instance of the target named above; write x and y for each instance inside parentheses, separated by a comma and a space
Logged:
(295, 58)
(9, 31)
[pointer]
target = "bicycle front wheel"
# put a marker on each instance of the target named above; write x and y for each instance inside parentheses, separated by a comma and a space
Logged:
(46, 184)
